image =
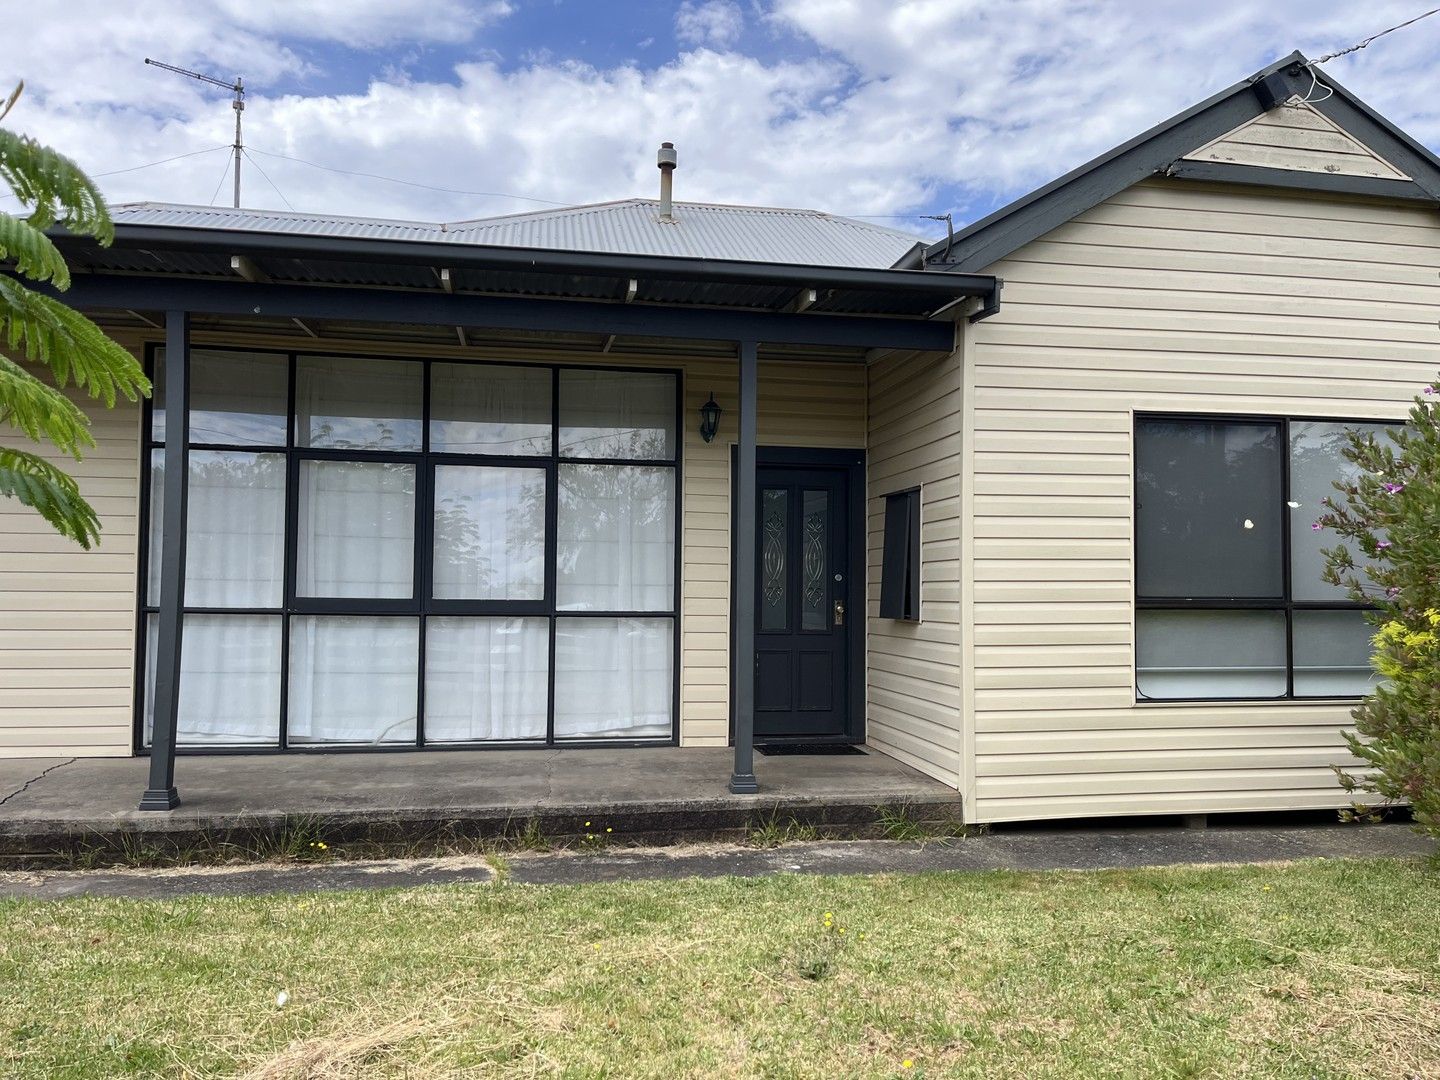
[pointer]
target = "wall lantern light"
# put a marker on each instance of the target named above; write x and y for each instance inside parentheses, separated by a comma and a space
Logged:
(709, 419)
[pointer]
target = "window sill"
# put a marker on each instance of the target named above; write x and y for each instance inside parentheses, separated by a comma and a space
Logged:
(1249, 703)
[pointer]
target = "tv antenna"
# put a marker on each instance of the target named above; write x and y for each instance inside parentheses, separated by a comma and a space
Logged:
(238, 89)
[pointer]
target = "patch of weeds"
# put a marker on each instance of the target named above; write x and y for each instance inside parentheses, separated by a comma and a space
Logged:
(771, 832)
(901, 823)
(528, 838)
(300, 838)
(818, 956)
(499, 865)
(596, 837)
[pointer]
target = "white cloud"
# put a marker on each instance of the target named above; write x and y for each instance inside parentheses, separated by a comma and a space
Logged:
(870, 106)
(710, 22)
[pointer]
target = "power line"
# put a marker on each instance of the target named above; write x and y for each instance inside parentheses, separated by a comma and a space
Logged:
(409, 183)
(266, 175)
(1374, 37)
(224, 174)
(147, 165)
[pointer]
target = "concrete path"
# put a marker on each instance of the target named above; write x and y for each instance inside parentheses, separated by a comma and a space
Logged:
(1071, 849)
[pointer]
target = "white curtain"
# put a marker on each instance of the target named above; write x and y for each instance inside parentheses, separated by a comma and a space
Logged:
(1210, 654)
(356, 535)
(489, 533)
(486, 678)
(490, 409)
(235, 529)
(616, 533)
(613, 678)
(348, 404)
(617, 414)
(229, 680)
(353, 679)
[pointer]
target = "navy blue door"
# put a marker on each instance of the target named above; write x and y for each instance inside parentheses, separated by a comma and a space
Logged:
(802, 621)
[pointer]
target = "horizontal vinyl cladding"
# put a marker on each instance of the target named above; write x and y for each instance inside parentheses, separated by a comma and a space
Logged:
(1170, 297)
(913, 669)
(67, 618)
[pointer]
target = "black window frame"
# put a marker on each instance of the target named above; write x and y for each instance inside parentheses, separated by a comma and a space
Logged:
(421, 605)
(1284, 604)
(900, 557)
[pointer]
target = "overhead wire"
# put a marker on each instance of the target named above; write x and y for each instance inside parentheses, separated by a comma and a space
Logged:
(223, 175)
(1375, 37)
(249, 158)
(408, 183)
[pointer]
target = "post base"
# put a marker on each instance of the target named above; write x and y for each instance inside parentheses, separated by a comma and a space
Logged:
(160, 799)
(743, 784)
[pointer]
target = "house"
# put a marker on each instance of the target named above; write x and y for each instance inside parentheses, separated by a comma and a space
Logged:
(654, 472)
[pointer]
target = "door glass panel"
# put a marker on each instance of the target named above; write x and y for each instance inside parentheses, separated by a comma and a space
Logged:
(774, 540)
(814, 561)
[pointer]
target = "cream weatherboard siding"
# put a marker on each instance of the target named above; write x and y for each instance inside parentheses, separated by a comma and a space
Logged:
(67, 617)
(1185, 298)
(913, 669)
(1297, 137)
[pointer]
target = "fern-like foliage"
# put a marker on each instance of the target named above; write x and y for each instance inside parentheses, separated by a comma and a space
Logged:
(39, 333)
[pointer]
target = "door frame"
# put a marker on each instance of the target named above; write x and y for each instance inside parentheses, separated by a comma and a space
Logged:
(852, 463)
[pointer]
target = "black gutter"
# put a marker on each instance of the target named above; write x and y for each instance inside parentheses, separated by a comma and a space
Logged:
(540, 260)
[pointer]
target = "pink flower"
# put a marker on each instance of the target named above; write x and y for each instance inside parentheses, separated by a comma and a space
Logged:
(1382, 544)
(1316, 527)
(1394, 489)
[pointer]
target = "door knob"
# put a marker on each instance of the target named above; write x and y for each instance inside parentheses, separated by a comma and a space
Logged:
(839, 613)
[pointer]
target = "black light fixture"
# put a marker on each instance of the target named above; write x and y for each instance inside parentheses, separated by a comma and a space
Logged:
(709, 418)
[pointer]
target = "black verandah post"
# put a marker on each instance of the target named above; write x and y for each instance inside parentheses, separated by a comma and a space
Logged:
(742, 779)
(161, 793)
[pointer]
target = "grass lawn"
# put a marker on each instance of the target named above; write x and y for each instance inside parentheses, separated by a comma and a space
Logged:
(1316, 969)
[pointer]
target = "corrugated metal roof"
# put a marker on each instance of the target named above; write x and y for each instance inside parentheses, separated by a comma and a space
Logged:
(629, 226)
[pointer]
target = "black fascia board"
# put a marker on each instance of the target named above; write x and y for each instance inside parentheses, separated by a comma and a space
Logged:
(456, 255)
(1224, 172)
(1380, 135)
(1031, 216)
(212, 296)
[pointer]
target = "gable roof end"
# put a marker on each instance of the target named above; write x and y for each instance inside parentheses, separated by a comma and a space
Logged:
(1159, 150)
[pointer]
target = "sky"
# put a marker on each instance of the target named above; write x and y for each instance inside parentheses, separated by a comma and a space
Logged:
(883, 109)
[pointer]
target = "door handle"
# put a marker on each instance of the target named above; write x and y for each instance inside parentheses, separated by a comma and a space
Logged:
(839, 613)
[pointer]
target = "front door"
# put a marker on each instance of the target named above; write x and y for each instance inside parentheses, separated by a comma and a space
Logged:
(804, 619)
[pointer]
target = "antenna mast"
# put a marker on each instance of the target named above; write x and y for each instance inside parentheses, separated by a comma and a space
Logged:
(238, 89)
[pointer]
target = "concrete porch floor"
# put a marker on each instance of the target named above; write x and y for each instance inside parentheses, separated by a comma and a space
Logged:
(64, 805)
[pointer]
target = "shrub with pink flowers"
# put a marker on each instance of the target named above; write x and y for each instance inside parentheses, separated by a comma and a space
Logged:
(1388, 524)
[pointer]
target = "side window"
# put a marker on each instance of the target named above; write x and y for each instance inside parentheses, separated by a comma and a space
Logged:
(900, 566)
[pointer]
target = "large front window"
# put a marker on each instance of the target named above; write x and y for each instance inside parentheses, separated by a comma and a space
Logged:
(1228, 588)
(412, 552)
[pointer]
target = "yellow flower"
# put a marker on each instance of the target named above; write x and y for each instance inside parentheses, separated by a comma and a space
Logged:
(597, 946)
(587, 824)
(842, 929)
(609, 830)
(1265, 889)
(828, 915)
(907, 1064)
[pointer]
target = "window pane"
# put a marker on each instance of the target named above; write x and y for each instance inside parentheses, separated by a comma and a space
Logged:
(229, 680)
(1208, 509)
(815, 561)
(489, 533)
(486, 679)
(235, 529)
(344, 404)
(616, 535)
(236, 398)
(1332, 654)
(353, 679)
(1316, 462)
(613, 678)
(774, 548)
(1210, 654)
(356, 534)
(617, 414)
(490, 409)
